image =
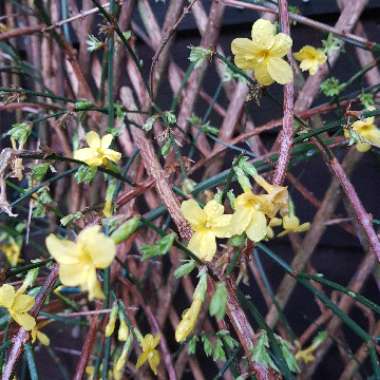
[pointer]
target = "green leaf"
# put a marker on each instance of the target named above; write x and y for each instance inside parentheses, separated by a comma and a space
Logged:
(159, 248)
(331, 87)
(185, 269)
(230, 342)
(199, 54)
(219, 353)
(218, 302)
(85, 174)
(207, 346)
(260, 352)
(289, 357)
(165, 149)
(39, 172)
(169, 117)
(20, 132)
(70, 218)
(192, 345)
(148, 125)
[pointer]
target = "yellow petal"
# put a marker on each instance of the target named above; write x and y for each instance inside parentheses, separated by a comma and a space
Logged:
(279, 70)
(25, 320)
(362, 147)
(262, 75)
(93, 140)
(262, 33)
(257, 229)
(106, 141)
(154, 360)
(281, 45)
(213, 210)
(112, 155)
(290, 222)
(240, 219)
(304, 227)
(101, 248)
(193, 213)
(203, 245)
(22, 303)
(7, 295)
(244, 51)
(43, 338)
(63, 251)
(143, 357)
(93, 287)
(73, 274)
(223, 228)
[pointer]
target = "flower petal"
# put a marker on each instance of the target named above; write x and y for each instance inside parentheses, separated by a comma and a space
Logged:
(93, 140)
(154, 360)
(100, 247)
(7, 295)
(22, 303)
(25, 320)
(280, 70)
(262, 75)
(73, 274)
(240, 219)
(262, 33)
(223, 227)
(244, 47)
(213, 210)
(64, 251)
(203, 245)
(87, 155)
(193, 213)
(106, 141)
(281, 45)
(93, 287)
(142, 359)
(257, 229)
(112, 155)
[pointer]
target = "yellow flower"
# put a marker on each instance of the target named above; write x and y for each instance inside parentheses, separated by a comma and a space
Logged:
(263, 53)
(367, 134)
(277, 197)
(98, 153)
(79, 260)
(310, 58)
(188, 320)
(149, 352)
(292, 224)
(249, 217)
(18, 304)
(12, 252)
(39, 335)
(207, 224)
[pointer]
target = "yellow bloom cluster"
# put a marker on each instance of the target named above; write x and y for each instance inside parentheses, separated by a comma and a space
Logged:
(17, 304)
(310, 58)
(264, 53)
(11, 250)
(79, 260)
(149, 352)
(364, 133)
(98, 152)
(255, 215)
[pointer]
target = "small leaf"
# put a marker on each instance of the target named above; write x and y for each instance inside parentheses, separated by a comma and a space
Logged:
(198, 54)
(219, 301)
(219, 353)
(20, 132)
(260, 352)
(148, 125)
(192, 345)
(70, 218)
(207, 346)
(185, 269)
(159, 248)
(39, 172)
(85, 174)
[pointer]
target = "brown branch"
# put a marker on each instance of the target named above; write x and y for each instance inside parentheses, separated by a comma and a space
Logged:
(287, 125)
